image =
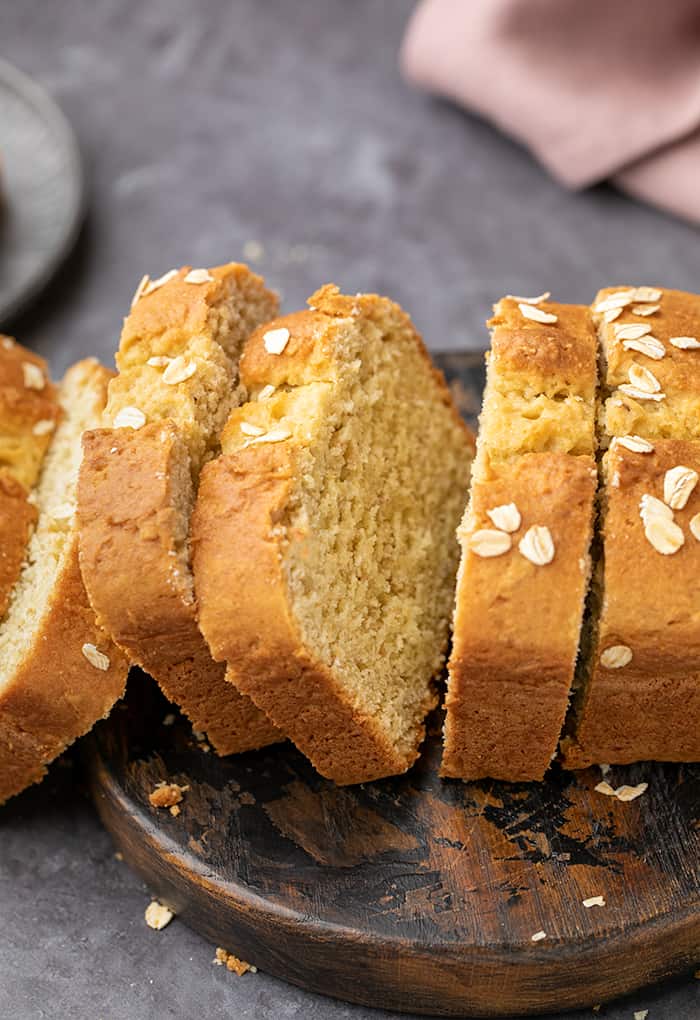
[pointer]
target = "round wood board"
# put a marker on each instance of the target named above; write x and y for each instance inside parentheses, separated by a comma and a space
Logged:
(413, 893)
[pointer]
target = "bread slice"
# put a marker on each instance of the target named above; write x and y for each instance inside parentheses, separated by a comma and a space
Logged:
(525, 542)
(177, 382)
(322, 538)
(58, 672)
(29, 412)
(639, 689)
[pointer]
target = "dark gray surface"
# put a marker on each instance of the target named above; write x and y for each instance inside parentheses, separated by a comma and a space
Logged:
(205, 127)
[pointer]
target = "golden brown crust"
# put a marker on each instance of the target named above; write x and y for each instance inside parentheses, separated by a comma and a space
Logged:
(650, 708)
(57, 695)
(136, 540)
(177, 310)
(678, 315)
(551, 356)
(23, 441)
(517, 625)
(235, 550)
(17, 520)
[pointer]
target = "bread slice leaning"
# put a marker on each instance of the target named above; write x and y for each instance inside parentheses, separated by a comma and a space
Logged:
(323, 544)
(29, 411)
(59, 673)
(638, 694)
(525, 540)
(177, 382)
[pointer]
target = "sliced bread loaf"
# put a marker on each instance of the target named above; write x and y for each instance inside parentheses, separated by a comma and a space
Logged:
(177, 382)
(59, 672)
(323, 537)
(639, 686)
(525, 542)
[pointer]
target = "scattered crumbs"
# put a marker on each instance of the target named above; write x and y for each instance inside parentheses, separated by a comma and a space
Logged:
(538, 936)
(169, 719)
(623, 793)
(594, 901)
(232, 963)
(166, 795)
(118, 856)
(199, 735)
(157, 916)
(205, 747)
(641, 1014)
(174, 810)
(253, 251)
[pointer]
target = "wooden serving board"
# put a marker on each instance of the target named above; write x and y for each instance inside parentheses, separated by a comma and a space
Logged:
(412, 893)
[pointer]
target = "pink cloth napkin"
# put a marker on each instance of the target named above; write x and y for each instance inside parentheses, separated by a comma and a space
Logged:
(595, 88)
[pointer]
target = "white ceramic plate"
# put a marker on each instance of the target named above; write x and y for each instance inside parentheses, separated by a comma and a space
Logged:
(41, 187)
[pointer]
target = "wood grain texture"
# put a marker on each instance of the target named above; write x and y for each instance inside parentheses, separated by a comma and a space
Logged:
(412, 893)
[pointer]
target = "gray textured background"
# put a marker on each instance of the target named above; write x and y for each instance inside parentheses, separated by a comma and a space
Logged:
(206, 126)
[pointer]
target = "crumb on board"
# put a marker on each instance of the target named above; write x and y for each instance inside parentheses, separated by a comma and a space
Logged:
(174, 810)
(232, 963)
(157, 916)
(169, 719)
(594, 901)
(641, 1014)
(538, 936)
(623, 793)
(118, 855)
(167, 795)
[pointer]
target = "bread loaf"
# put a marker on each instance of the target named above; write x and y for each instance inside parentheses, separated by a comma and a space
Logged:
(323, 542)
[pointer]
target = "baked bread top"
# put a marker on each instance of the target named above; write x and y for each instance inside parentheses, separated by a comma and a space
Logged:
(324, 531)
(651, 596)
(541, 381)
(29, 411)
(540, 609)
(646, 335)
(179, 350)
